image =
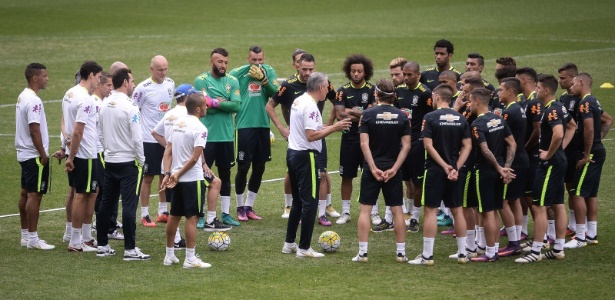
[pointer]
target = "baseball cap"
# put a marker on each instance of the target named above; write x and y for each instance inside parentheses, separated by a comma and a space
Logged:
(184, 90)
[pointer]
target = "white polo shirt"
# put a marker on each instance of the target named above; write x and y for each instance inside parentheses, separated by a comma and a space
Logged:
(188, 133)
(165, 125)
(120, 129)
(304, 114)
(154, 100)
(29, 109)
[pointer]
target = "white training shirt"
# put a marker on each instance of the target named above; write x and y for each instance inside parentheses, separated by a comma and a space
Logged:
(304, 114)
(72, 99)
(86, 114)
(165, 125)
(29, 109)
(120, 130)
(97, 104)
(188, 133)
(154, 100)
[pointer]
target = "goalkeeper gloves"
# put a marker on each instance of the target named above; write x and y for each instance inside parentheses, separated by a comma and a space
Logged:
(258, 72)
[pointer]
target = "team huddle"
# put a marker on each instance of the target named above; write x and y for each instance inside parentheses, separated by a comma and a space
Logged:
(465, 150)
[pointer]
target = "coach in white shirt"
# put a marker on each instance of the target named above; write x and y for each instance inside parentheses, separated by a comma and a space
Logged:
(304, 144)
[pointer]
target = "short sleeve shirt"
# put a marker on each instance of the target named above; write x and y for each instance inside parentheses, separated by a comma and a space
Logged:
(154, 100)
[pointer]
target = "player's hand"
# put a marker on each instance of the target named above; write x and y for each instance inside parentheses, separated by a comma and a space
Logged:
(211, 103)
(59, 155)
(542, 154)
(69, 166)
(453, 175)
(583, 161)
(207, 171)
(388, 174)
(163, 184)
(172, 182)
(378, 174)
(284, 132)
(507, 175)
(258, 72)
(343, 124)
(44, 160)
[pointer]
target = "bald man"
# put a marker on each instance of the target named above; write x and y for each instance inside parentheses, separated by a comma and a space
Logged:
(116, 66)
(153, 96)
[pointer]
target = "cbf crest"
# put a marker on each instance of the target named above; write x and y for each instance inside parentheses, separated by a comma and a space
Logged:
(228, 88)
(364, 98)
(415, 100)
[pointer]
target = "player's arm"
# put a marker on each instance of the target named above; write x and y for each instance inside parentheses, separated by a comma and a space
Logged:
(315, 135)
(270, 108)
(464, 153)
(588, 140)
(158, 133)
(37, 141)
(367, 153)
(167, 160)
(556, 140)
(194, 158)
(510, 150)
(571, 128)
(533, 140)
(431, 151)
(74, 145)
(607, 122)
(332, 116)
(272, 86)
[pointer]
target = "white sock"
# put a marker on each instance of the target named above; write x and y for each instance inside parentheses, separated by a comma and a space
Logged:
(551, 229)
(33, 237)
(401, 248)
(572, 222)
(416, 213)
(592, 229)
(250, 199)
(442, 206)
(322, 207)
(362, 248)
(537, 246)
(328, 199)
(211, 215)
(24, 233)
(461, 245)
(559, 244)
(178, 236)
(388, 215)
(580, 232)
(86, 232)
(428, 247)
(144, 211)
(480, 234)
(524, 222)
(288, 200)
(75, 237)
(225, 204)
(512, 233)
(162, 208)
(69, 228)
(190, 254)
(491, 251)
(447, 211)
(518, 230)
(346, 206)
(404, 207)
(170, 251)
(239, 199)
(471, 240)
(496, 246)
(375, 209)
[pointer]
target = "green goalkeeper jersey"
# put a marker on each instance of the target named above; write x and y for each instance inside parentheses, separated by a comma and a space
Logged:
(219, 121)
(254, 96)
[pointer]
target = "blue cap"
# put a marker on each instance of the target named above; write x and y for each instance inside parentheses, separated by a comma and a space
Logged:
(184, 90)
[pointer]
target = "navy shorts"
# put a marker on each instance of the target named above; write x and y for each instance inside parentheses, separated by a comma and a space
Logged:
(437, 188)
(392, 190)
(253, 145)
(587, 179)
(413, 167)
(85, 175)
(351, 158)
(549, 181)
(153, 158)
(34, 176)
(220, 153)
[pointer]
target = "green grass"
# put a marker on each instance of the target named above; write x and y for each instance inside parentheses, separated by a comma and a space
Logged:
(62, 34)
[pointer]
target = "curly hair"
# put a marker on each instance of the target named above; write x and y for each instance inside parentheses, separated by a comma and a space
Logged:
(355, 59)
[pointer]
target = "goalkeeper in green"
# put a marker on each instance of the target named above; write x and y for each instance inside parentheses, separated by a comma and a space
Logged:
(257, 83)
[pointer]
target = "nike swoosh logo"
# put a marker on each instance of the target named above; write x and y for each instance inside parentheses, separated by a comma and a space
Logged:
(299, 92)
(349, 97)
(430, 80)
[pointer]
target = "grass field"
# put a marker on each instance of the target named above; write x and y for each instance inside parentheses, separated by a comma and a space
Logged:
(63, 33)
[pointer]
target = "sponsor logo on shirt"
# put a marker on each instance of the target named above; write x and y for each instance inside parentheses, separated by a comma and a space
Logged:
(164, 106)
(37, 108)
(135, 118)
(254, 89)
(386, 118)
(495, 125)
(449, 120)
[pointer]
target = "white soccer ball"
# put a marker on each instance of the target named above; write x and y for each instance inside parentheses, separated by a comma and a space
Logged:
(329, 241)
(219, 241)
(271, 137)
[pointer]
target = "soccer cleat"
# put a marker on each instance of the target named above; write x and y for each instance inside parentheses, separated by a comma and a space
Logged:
(169, 260)
(24, 242)
(147, 222)
(485, 258)
(201, 223)
(289, 248)
(324, 221)
(136, 254)
(343, 219)
(462, 259)
(40, 245)
(285, 214)
(471, 253)
(574, 244)
(592, 241)
(180, 245)
(115, 235)
(228, 220)
(510, 250)
(414, 226)
(527, 246)
(440, 215)
(103, 251)
(523, 236)
(551, 254)
(74, 249)
(480, 251)
(407, 217)
(162, 218)
(448, 231)
(420, 260)
(551, 240)
(91, 243)
(86, 248)
(66, 238)
(401, 258)
(360, 258)
(382, 227)
(570, 232)
(331, 212)
(118, 225)
(447, 221)
(503, 232)
(376, 219)
(196, 263)
(241, 214)
(529, 258)
(309, 253)
(216, 225)
(252, 215)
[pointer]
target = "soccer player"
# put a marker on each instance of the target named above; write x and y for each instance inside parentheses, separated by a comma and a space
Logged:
(304, 143)
(120, 132)
(475, 63)
(223, 89)
(79, 115)
(257, 83)
(352, 98)
(446, 136)
(443, 52)
(594, 124)
(32, 145)
(183, 172)
(154, 97)
(549, 181)
(450, 78)
(414, 99)
(382, 130)
(500, 74)
(495, 149)
(511, 215)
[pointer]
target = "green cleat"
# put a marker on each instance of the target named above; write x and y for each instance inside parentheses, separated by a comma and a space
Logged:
(228, 220)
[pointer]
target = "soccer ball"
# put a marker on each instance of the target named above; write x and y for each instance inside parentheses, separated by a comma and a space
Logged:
(271, 137)
(329, 241)
(219, 241)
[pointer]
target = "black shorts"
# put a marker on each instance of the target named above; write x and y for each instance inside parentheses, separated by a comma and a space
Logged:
(321, 159)
(351, 158)
(34, 176)
(253, 145)
(392, 190)
(153, 158)
(187, 198)
(469, 189)
(413, 167)
(437, 188)
(549, 181)
(85, 175)
(489, 189)
(587, 179)
(572, 156)
(531, 173)
(220, 153)
(516, 188)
